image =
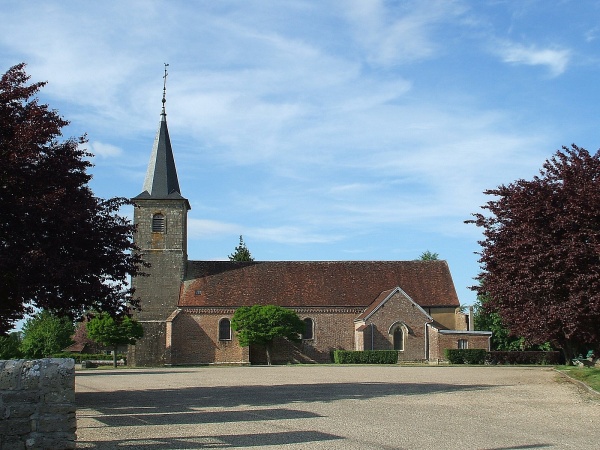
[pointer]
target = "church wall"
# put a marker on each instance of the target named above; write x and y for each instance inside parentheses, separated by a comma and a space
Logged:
(444, 316)
(195, 340)
(397, 309)
(438, 342)
(333, 330)
(149, 350)
(159, 292)
(435, 352)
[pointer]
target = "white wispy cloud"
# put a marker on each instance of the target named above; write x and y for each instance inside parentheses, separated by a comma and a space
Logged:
(555, 59)
(199, 228)
(394, 33)
(104, 150)
(292, 235)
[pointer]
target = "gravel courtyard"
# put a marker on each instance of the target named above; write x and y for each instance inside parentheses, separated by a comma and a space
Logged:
(334, 407)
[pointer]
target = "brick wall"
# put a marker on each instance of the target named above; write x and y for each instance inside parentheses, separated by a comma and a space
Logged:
(333, 330)
(37, 404)
(195, 338)
(439, 340)
(397, 311)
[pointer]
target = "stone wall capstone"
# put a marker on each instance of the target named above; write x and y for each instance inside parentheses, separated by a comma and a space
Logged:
(37, 404)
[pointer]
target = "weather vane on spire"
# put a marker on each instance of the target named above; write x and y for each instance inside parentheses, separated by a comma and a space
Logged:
(164, 99)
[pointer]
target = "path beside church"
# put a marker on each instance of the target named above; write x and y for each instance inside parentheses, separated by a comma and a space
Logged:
(334, 407)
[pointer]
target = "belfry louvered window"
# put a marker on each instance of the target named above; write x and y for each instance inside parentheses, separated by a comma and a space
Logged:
(158, 223)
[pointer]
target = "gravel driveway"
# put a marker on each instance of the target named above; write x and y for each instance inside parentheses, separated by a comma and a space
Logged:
(334, 407)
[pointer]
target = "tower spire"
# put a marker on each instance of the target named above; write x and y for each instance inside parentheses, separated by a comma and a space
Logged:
(161, 177)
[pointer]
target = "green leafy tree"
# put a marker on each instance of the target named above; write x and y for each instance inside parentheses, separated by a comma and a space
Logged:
(62, 249)
(502, 339)
(111, 332)
(46, 334)
(10, 346)
(539, 256)
(428, 256)
(484, 319)
(261, 325)
(241, 252)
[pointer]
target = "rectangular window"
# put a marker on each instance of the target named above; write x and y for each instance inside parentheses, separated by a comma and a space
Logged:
(308, 329)
(463, 344)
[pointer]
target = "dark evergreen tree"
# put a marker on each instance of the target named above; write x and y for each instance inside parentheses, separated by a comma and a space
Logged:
(428, 256)
(61, 248)
(241, 252)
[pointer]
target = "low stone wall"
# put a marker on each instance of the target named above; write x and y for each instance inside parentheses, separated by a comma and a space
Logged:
(37, 404)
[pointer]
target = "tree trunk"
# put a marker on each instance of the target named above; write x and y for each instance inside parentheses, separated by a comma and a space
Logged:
(268, 350)
(568, 352)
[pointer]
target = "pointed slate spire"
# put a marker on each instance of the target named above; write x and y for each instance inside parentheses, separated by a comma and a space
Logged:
(161, 177)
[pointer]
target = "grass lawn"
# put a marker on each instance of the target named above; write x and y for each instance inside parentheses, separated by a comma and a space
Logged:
(589, 375)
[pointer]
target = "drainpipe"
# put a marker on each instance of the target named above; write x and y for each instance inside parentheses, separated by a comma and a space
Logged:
(372, 325)
(426, 341)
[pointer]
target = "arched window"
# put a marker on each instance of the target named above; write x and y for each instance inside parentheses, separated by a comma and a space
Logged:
(225, 330)
(158, 223)
(308, 329)
(398, 339)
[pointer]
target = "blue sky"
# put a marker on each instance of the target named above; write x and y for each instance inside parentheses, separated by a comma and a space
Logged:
(320, 130)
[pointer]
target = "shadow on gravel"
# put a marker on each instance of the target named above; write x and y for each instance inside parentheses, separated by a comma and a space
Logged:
(222, 441)
(160, 400)
(200, 417)
(236, 404)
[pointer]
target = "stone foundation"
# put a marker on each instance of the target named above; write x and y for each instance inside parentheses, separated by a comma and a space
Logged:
(37, 404)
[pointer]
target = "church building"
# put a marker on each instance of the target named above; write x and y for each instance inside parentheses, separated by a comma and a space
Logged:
(187, 306)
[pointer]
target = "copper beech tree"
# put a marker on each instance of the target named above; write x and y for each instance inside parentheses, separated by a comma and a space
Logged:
(540, 256)
(61, 248)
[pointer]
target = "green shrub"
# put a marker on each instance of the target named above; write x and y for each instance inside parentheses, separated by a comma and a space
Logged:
(365, 357)
(524, 357)
(79, 357)
(465, 356)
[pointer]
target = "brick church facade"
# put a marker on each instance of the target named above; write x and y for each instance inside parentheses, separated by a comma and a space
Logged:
(187, 306)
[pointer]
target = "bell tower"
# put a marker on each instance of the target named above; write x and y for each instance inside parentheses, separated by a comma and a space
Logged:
(160, 216)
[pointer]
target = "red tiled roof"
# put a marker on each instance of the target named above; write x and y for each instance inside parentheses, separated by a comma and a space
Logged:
(375, 303)
(315, 283)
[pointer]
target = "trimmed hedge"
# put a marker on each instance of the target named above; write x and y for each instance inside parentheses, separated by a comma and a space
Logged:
(525, 357)
(365, 357)
(465, 356)
(80, 357)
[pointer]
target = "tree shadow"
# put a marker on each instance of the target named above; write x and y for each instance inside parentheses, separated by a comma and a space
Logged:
(218, 441)
(226, 404)
(139, 417)
(182, 399)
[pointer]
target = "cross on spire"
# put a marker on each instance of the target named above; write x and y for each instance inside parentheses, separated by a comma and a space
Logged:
(164, 99)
